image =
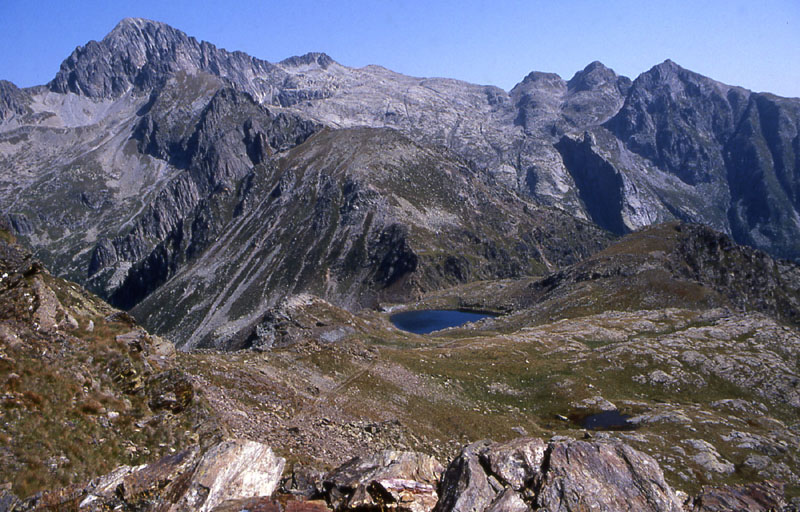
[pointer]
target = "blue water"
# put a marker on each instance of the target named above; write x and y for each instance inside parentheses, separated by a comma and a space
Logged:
(607, 420)
(424, 321)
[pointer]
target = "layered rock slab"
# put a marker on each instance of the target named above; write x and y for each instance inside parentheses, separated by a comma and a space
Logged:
(186, 481)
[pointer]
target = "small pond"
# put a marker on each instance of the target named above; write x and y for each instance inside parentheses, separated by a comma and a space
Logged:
(607, 420)
(424, 321)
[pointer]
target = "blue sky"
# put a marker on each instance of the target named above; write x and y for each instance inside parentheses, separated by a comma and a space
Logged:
(755, 44)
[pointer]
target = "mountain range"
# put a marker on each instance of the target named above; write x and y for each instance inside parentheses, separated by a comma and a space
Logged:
(157, 169)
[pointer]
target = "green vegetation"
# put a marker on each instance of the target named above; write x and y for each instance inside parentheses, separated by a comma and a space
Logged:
(75, 401)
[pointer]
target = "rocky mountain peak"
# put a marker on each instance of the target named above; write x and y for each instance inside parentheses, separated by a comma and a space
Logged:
(128, 55)
(670, 75)
(315, 59)
(668, 64)
(537, 99)
(142, 54)
(128, 26)
(594, 65)
(13, 100)
(542, 80)
(147, 35)
(671, 116)
(593, 76)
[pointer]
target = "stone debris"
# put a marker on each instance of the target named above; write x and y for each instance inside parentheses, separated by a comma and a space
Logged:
(595, 404)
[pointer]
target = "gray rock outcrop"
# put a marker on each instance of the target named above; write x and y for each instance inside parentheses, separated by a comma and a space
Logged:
(558, 476)
(516, 476)
(13, 100)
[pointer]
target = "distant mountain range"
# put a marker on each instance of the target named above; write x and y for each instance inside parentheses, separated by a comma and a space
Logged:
(200, 186)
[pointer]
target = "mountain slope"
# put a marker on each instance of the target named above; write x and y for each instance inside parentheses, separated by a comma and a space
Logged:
(356, 216)
(136, 177)
(84, 388)
(672, 265)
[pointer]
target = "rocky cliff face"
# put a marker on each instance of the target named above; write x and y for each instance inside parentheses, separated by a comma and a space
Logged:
(763, 161)
(713, 138)
(679, 120)
(142, 179)
(212, 155)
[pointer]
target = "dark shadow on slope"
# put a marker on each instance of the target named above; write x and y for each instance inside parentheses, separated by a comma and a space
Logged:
(599, 184)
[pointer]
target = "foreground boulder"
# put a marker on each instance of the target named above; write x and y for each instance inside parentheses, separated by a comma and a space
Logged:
(559, 476)
(183, 482)
(401, 481)
(232, 470)
(594, 476)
